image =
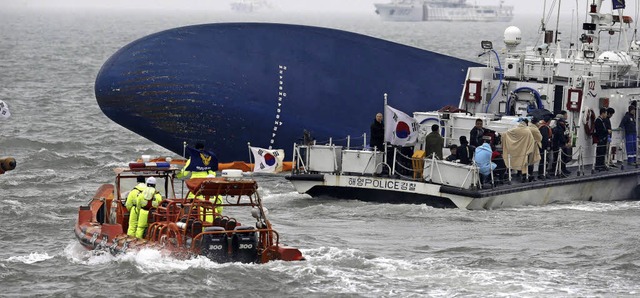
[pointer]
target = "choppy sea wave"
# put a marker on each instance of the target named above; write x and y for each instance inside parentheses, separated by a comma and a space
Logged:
(66, 148)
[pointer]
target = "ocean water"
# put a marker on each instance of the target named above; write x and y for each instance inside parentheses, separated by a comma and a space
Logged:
(66, 148)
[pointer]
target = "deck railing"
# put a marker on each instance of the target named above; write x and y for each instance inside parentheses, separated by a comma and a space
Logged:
(401, 166)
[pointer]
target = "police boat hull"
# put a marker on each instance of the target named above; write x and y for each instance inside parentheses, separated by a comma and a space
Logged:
(601, 187)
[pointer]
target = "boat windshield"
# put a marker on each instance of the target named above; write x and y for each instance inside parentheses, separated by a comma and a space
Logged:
(163, 185)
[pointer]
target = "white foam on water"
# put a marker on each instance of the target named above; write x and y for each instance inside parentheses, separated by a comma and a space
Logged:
(13, 202)
(147, 260)
(349, 271)
(75, 252)
(33, 257)
(588, 206)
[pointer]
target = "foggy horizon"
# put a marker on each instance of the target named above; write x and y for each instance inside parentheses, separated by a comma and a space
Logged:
(320, 6)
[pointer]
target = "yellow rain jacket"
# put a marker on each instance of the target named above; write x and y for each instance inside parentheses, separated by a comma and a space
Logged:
(130, 204)
(149, 198)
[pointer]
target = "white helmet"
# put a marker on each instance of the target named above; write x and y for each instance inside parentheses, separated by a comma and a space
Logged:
(151, 180)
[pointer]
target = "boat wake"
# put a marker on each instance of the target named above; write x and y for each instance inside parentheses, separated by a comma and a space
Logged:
(147, 260)
(595, 207)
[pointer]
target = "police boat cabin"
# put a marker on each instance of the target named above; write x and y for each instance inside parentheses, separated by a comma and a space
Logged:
(535, 126)
(214, 219)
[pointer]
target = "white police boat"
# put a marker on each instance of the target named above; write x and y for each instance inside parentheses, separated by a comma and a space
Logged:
(578, 79)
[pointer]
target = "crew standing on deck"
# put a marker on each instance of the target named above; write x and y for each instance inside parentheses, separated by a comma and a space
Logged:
(545, 148)
(130, 204)
(535, 155)
(476, 134)
(465, 152)
(482, 158)
(611, 151)
(434, 143)
(377, 133)
(149, 198)
(201, 164)
(602, 134)
(519, 148)
(202, 167)
(560, 146)
(628, 123)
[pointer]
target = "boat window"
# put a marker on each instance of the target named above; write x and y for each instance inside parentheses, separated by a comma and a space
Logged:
(128, 183)
(160, 186)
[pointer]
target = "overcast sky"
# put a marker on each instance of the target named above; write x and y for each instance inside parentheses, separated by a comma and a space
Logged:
(363, 6)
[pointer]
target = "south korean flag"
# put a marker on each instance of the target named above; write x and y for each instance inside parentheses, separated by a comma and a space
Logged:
(4, 110)
(266, 160)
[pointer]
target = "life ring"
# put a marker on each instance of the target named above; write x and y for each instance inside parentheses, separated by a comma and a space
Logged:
(589, 121)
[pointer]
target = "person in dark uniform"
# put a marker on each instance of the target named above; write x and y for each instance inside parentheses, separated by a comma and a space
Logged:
(377, 133)
(501, 168)
(560, 147)
(454, 150)
(199, 149)
(545, 149)
(475, 136)
(602, 134)
(607, 122)
(628, 124)
(465, 152)
(434, 143)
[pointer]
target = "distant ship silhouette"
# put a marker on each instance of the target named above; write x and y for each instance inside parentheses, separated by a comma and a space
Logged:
(249, 5)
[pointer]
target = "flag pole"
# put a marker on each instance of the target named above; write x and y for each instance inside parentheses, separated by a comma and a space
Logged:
(250, 155)
(384, 143)
(184, 149)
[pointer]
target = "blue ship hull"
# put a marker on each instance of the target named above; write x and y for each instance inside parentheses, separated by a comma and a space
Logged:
(232, 83)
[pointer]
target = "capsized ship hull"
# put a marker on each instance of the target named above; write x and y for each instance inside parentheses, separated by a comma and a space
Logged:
(232, 83)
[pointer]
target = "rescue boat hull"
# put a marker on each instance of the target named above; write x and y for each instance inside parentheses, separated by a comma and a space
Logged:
(184, 227)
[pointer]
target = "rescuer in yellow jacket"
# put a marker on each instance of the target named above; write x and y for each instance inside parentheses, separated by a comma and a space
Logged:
(201, 164)
(147, 199)
(203, 160)
(130, 204)
(217, 209)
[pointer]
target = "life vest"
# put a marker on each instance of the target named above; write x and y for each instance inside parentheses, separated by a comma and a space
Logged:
(139, 188)
(147, 199)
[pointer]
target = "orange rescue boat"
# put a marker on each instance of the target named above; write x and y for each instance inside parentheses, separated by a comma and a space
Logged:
(185, 227)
